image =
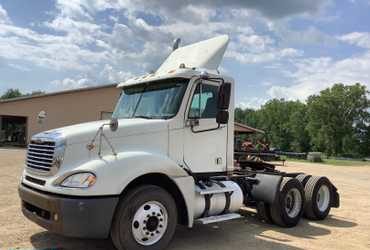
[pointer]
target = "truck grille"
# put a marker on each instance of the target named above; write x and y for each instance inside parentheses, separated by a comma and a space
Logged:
(40, 155)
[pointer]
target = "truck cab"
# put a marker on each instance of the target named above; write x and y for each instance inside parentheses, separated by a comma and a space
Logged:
(165, 158)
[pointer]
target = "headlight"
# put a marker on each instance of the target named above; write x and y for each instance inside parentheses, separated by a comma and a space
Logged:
(79, 180)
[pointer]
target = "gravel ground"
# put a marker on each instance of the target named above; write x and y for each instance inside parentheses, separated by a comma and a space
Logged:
(346, 228)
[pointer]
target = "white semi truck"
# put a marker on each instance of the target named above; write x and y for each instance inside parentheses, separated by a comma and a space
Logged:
(165, 158)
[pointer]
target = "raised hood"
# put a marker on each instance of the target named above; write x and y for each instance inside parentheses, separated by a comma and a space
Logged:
(85, 132)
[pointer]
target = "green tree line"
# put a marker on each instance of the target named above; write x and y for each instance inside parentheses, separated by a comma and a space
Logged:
(14, 93)
(336, 121)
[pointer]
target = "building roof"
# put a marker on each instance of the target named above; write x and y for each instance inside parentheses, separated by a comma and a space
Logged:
(21, 98)
(244, 129)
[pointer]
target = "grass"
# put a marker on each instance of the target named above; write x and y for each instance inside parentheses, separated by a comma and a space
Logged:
(335, 162)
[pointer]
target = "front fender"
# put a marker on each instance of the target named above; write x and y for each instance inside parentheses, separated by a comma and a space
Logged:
(136, 164)
(114, 173)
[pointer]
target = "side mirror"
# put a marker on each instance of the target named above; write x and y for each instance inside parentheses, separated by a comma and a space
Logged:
(224, 94)
(113, 124)
(222, 117)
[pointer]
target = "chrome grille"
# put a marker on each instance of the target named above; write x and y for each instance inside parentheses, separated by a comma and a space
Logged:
(40, 155)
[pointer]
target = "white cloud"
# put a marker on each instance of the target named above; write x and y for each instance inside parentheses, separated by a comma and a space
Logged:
(271, 9)
(272, 54)
(255, 42)
(74, 9)
(81, 44)
(315, 74)
(361, 39)
(252, 103)
(4, 18)
(114, 75)
(19, 67)
(304, 36)
(69, 83)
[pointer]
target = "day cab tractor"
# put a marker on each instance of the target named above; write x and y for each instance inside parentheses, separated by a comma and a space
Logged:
(165, 158)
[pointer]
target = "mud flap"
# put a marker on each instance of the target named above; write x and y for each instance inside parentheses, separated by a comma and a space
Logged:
(335, 202)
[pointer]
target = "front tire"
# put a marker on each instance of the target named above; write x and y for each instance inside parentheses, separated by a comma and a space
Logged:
(145, 218)
(288, 208)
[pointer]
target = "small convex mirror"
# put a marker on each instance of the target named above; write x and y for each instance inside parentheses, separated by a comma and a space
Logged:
(113, 124)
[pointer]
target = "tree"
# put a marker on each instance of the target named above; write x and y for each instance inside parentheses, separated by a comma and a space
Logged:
(283, 121)
(11, 93)
(284, 124)
(297, 125)
(247, 116)
(338, 120)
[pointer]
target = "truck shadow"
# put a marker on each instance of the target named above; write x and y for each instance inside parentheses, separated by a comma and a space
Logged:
(237, 234)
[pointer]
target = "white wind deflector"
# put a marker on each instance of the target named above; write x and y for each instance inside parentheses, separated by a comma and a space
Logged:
(205, 54)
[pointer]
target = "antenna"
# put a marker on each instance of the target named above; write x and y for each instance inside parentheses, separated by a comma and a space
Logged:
(176, 44)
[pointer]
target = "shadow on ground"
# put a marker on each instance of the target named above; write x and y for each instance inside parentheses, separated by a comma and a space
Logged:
(237, 234)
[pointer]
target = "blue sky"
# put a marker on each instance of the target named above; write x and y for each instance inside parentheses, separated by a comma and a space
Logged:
(279, 49)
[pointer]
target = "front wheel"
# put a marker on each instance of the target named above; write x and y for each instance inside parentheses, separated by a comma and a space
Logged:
(145, 218)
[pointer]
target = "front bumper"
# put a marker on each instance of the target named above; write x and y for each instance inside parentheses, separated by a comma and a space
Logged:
(83, 217)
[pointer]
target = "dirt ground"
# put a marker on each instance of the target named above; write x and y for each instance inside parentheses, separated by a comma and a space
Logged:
(346, 228)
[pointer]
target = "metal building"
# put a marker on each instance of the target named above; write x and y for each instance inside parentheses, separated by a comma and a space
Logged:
(18, 116)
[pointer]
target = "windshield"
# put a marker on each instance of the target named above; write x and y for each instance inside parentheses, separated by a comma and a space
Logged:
(152, 100)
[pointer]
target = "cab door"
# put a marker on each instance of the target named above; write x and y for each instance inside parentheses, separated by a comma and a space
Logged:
(205, 141)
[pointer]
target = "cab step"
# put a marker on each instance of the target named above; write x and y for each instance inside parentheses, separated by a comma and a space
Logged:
(218, 218)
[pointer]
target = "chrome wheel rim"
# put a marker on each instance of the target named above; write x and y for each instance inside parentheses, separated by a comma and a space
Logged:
(149, 223)
(293, 203)
(323, 198)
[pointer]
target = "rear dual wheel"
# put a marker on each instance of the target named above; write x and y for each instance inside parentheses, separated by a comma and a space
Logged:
(288, 208)
(318, 192)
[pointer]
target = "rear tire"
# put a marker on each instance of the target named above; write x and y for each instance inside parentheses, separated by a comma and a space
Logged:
(288, 208)
(303, 178)
(145, 218)
(318, 192)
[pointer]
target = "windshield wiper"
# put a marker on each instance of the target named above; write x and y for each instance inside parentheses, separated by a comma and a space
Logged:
(151, 117)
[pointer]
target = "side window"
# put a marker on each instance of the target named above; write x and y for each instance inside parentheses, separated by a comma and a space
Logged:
(204, 102)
